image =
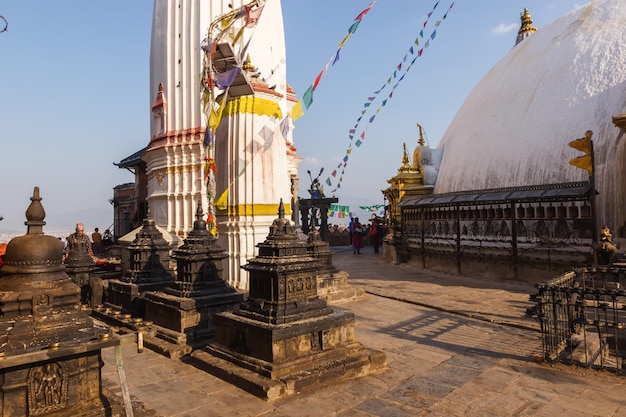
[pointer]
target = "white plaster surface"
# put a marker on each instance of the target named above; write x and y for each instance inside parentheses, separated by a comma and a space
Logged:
(514, 127)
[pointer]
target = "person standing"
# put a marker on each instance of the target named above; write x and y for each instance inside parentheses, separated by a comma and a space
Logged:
(350, 229)
(357, 236)
(98, 246)
(374, 235)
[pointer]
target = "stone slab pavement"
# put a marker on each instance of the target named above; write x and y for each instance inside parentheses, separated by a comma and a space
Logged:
(455, 346)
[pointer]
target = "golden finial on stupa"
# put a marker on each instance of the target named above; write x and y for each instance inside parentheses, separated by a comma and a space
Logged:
(247, 65)
(405, 157)
(526, 28)
(417, 153)
(527, 23)
(420, 141)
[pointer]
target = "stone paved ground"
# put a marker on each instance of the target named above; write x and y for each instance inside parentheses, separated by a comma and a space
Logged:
(455, 346)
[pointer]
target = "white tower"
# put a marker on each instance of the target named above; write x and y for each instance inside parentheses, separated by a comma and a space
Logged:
(253, 159)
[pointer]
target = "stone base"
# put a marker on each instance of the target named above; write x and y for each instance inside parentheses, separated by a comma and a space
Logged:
(356, 362)
(174, 347)
(276, 361)
(588, 349)
(62, 382)
(334, 288)
(181, 322)
(128, 296)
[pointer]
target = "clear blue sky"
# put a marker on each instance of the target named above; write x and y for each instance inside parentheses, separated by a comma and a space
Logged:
(74, 91)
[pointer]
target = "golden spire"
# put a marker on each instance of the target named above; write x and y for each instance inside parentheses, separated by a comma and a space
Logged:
(526, 28)
(420, 141)
(417, 153)
(247, 65)
(405, 157)
(527, 23)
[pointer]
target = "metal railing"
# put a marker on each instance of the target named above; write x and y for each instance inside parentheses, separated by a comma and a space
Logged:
(582, 315)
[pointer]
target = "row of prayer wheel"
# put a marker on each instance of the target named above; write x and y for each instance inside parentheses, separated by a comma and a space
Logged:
(521, 212)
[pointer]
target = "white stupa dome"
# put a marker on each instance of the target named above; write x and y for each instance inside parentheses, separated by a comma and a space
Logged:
(514, 127)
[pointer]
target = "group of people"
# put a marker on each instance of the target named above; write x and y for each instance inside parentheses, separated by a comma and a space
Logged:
(359, 233)
(95, 246)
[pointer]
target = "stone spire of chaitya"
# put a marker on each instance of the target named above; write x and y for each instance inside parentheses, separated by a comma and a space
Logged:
(526, 28)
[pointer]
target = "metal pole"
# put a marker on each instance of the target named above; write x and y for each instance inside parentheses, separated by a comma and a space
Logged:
(457, 227)
(592, 203)
(514, 241)
(128, 405)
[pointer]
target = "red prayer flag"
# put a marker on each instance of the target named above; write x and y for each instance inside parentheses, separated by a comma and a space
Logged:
(317, 80)
(253, 16)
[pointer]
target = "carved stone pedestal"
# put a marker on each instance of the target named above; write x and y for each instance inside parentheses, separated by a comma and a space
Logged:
(284, 338)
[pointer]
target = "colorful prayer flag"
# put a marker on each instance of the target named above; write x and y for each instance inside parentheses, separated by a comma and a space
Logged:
(223, 80)
(297, 111)
(253, 16)
(221, 202)
(284, 127)
(317, 80)
(308, 97)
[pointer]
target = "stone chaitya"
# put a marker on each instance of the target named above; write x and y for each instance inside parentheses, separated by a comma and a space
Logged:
(146, 267)
(284, 337)
(332, 284)
(183, 312)
(50, 349)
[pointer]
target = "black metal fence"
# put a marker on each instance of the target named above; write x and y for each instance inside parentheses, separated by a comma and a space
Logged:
(551, 223)
(582, 315)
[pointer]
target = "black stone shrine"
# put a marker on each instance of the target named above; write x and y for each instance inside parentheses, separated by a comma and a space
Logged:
(284, 338)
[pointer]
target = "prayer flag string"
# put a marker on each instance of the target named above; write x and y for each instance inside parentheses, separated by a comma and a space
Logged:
(370, 99)
(307, 98)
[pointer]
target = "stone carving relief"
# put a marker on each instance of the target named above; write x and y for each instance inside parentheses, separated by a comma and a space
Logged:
(47, 388)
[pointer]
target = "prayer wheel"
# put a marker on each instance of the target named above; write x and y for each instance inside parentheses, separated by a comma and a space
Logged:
(530, 212)
(573, 211)
(585, 211)
(540, 212)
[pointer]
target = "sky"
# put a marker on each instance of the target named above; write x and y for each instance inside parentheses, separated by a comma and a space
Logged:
(74, 92)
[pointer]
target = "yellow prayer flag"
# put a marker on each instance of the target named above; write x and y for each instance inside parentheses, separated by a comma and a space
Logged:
(216, 116)
(221, 202)
(344, 40)
(583, 162)
(296, 111)
(238, 36)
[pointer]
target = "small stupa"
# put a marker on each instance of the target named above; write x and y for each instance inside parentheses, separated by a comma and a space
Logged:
(50, 349)
(332, 284)
(182, 314)
(147, 269)
(284, 338)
